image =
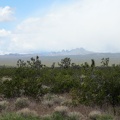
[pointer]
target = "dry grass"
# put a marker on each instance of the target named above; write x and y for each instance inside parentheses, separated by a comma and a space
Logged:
(48, 103)
(22, 102)
(43, 109)
(27, 112)
(50, 100)
(3, 105)
(76, 116)
(67, 102)
(94, 114)
(49, 97)
(45, 87)
(63, 110)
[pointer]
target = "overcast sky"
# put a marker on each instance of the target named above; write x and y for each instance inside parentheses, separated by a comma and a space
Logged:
(53, 25)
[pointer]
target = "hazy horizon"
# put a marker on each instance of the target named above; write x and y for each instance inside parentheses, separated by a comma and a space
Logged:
(54, 25)
(57, 52)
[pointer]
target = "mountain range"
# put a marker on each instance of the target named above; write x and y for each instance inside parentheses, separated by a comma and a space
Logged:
(77, 51)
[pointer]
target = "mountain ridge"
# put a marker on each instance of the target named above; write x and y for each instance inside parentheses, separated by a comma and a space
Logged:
(76, 51)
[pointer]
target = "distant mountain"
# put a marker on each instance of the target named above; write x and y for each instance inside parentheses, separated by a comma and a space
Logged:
(77, 51)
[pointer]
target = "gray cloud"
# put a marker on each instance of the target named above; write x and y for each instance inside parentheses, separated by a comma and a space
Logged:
(5, 41)
(92, 24)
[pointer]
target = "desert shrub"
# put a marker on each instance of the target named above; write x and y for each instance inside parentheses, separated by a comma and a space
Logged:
(54, 98)
(51, 99)
(63, 83)
(99, 87)
(63, 110)
(31, 87)
(48, 103)
(11, 88)
(22, 103)
(59, 99)
(75, 116)
(49, 96)
(7, 71)
(97, 115)
(67, 102)
(25, 112)
(94, 115)
(3, 105)
(65, 63)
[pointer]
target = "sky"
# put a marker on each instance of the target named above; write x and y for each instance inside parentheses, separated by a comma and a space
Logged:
(53, 25)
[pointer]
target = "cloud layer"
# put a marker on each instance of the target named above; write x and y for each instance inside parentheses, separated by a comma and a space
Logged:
(92, 24)
(6, 14)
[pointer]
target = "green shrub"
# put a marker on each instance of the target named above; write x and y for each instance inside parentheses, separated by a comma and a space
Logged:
(63, 83)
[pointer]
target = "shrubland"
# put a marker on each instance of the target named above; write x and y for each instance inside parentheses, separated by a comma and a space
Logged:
(86, 84)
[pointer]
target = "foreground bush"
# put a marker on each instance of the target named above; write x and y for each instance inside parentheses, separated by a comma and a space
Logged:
(94, 115)
(97, 115)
